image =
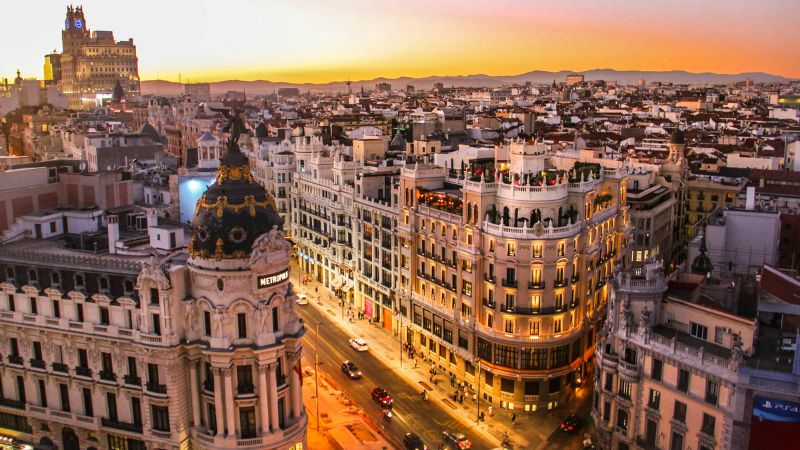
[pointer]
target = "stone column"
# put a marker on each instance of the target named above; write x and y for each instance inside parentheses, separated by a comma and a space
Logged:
(263, 399)
(273, 398)
(195, 393)
(297, 400)
(230, 409)
(219, 409)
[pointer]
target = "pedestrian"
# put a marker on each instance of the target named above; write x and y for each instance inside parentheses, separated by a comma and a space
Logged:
(491, 413)
(351, 319)
(461, 399)
(415, 362)
(513, 418)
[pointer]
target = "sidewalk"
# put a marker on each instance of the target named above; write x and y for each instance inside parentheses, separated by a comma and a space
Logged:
(529, 431)
(348, 429)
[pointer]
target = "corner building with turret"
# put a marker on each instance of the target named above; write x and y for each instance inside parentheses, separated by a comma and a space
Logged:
(192, 349)
(504, 270)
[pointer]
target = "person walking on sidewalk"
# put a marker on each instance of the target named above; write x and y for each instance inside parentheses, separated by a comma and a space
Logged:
(491, 411)
(513, 418)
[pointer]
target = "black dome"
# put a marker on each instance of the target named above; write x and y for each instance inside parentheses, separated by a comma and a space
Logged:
(233, 212)
(702, 263)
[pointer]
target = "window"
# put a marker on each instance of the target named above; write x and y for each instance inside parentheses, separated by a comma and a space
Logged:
(509, 325)
(466, 288)
(12, 304)
(104, 318)
(156, 324)
(42, 394)
(625, 389)
(534, 327)
(622, 419)
(708, 424)
(677, 441)
(562, 248)
(241, 325)
(34, 305)
(160, 417)
(212, 418)
(88, 409)
(152, 373)
(557, 326)
(656, 369)
(607, 411)
(136, 410)
(207, 323)
(56, 309)
(64, 394)
(683, 380)
(537, 250)
(698, 331)
(244, 379)
(712, 392)
(79, 312)
(512, 249)
(609, 382)
(83, 358)
(247, 422)
(654, 400)
(154, 296)
(679, 413)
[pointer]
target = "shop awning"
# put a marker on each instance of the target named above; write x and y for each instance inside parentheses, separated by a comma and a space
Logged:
(348, 286)
(337, 282)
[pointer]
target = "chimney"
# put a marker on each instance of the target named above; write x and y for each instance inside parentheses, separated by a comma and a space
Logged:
(152, 217)
(751, 198)
(113, 233)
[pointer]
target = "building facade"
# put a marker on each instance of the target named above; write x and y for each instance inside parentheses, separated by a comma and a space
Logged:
(118, 351)
(93, 63)
(503, 279)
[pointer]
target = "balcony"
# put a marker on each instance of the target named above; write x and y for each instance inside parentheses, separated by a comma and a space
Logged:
(83, 371)
(245, 389)
(490, 304)
(108, 375)
(536, 284)
(124, 426)
(558, 283)
(510, 283)
(156, 388)
(38, 363)
(15, 359)
(132, 380)
(60, 367)
(16, 404)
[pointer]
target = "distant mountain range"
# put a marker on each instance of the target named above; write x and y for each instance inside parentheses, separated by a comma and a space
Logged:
(257, 87)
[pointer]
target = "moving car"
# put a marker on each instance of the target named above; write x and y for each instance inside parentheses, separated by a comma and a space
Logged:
(571, 423)
(359, 344)
(454, 441)
(413, 442)
(382, 397)
(302, 299)
(350, 369)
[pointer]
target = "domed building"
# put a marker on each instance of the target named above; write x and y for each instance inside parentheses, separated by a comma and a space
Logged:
(248, 349)
(192, 349)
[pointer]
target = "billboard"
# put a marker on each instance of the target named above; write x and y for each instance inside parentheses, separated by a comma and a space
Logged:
(775, 423)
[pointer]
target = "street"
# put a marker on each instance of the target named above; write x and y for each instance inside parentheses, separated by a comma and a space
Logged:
(411, 414)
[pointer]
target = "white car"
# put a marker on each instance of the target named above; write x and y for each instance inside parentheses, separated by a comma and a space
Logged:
(302, 299)
(359, 344)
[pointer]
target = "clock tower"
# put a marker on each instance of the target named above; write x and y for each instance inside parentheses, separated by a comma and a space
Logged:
(75, 33)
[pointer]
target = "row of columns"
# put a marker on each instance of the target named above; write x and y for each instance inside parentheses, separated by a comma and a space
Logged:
(267, 397)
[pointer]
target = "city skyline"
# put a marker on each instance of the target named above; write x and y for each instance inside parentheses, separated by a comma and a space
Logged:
(388, 39)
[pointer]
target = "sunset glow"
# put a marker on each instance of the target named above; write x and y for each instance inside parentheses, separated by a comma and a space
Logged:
(321, 41)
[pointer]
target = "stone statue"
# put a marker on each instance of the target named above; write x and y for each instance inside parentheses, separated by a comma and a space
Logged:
(271, 241)
(644, 323)
(220, 317)
(263, 318)
(235, 126)
(736, 352)
(188, 316)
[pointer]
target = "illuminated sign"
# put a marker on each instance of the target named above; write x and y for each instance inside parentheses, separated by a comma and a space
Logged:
(265, 281)
(776, 410)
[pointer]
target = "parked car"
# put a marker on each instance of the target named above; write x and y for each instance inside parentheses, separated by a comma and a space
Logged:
(350, 369)
(359, 344)
(413, 442)
(302, 299)
(382, 397)
(454, 441)
(571, 423)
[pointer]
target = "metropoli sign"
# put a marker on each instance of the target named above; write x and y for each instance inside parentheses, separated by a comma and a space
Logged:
(265, 281)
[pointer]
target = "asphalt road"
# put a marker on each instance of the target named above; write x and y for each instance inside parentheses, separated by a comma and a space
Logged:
(411, 414)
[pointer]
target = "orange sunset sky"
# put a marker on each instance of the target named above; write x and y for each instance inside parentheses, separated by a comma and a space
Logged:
(320, 41)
